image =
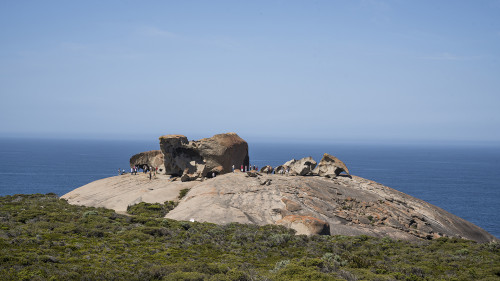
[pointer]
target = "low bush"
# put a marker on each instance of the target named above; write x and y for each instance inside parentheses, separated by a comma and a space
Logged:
(153, 210)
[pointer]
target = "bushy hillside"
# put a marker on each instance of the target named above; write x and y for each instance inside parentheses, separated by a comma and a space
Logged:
(43, 237)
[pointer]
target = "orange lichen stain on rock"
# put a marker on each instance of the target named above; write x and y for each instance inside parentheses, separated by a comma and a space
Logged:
(291, 205)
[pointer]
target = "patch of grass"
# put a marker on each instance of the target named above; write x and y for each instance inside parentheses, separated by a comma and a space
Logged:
(183, 193)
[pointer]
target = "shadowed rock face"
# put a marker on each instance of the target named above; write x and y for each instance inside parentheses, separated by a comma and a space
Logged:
(195, 159)
(153, 158)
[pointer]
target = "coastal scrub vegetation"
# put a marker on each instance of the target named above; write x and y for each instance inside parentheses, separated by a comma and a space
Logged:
(154, 210)
(43, 237)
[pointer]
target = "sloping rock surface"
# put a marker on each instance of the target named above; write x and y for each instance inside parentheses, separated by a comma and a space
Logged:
(349, 206)
(310, 205)
(119, 192)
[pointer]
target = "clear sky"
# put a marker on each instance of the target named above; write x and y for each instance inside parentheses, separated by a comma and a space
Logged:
(278, 70)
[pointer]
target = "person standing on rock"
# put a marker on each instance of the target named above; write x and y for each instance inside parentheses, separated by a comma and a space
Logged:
(233, 168)
(241, 168)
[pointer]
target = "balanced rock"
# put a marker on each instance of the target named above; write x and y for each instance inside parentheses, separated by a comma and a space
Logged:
(330, 167)
(205, 157)
(153, 158)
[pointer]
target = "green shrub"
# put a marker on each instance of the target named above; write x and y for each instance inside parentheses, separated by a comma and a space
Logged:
(185, 276)
(154, 210)
(66, 242)
(183, 193)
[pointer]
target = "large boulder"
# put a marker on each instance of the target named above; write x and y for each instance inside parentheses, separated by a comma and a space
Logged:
(330, 167)
(305, 225)
(301, 167)
(205, 157)
(153, 158)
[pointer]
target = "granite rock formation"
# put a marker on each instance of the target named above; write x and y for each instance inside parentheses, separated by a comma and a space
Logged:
(305, 225)
(330, 167)
(301, 167)
(310, 205)
(328, 203)
(319, 205)
(267, 169)
(153, 158)
(203, 158)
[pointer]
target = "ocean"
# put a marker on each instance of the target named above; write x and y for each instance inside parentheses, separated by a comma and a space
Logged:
(463, 180)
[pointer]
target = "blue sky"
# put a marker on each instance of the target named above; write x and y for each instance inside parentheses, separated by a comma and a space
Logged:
(367, 71)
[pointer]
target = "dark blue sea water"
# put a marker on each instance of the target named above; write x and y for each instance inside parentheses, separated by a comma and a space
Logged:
(464, 180)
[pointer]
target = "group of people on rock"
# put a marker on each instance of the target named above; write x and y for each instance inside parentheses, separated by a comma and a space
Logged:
(283, 171)
(145, 169)
(247, 168)
(244, 168)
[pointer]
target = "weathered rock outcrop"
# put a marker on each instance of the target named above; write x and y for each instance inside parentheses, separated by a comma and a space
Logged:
(205, 157)
(153, 158)
(330, 167)
(300, 167)
(267, 169)
(310, 205)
